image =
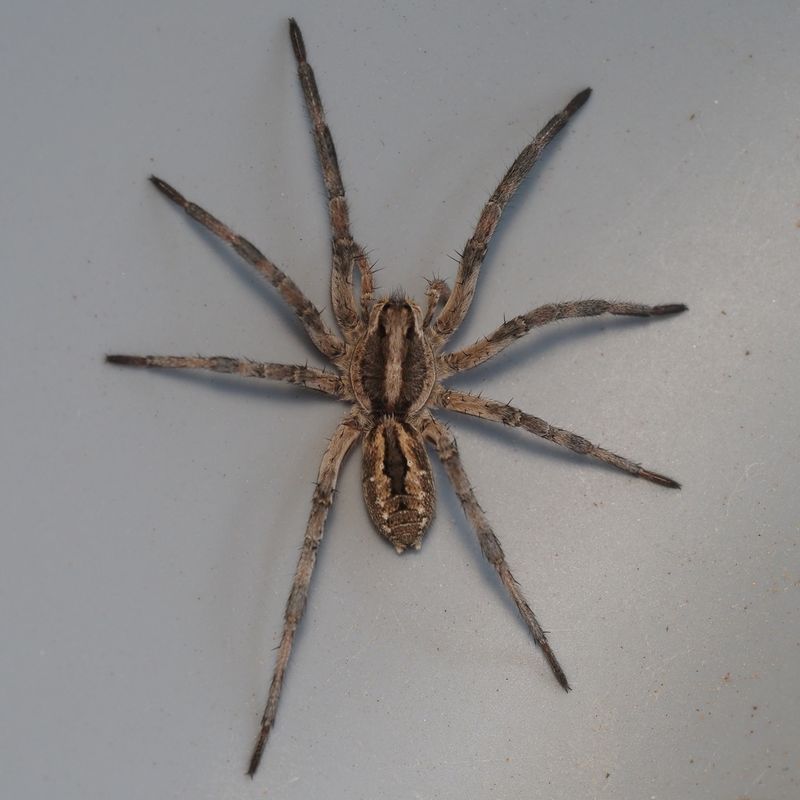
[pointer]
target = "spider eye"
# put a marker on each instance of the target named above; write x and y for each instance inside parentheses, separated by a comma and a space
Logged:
(410, 332)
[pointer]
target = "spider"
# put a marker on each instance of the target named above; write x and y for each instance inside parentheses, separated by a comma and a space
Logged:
(390, 365)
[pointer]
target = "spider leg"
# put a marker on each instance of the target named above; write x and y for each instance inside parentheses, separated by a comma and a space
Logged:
(445, 445)
(311, 378)
(473, 406)
(343, 439)
(515, 328)
(475, 249)
(438, 293)
(326, 342)
(345, 251)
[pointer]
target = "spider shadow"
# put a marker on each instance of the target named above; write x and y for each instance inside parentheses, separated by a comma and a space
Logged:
(565, 333)
(247, 275)
(559, 334)
(278, 535)
(273, 391)
(450, 502)
(514, 208)
(447, 497)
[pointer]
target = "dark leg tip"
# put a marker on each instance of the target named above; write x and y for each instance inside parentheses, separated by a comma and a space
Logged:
(128, 361)
(561, 677)
(255, 760)
(552, 661)
(166, 189)
(661, 480)
(671, 308)
(577, 101)
(298, 45)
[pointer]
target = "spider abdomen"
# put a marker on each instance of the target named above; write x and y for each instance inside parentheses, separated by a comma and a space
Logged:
(397, 482)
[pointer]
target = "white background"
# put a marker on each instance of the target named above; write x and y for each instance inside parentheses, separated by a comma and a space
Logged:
(152, 521)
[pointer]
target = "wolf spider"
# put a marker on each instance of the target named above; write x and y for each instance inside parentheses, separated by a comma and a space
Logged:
(390, 365)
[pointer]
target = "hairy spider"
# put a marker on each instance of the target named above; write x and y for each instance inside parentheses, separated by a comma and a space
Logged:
(390, 364)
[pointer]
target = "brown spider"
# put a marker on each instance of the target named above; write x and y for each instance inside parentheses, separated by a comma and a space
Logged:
(390, 364)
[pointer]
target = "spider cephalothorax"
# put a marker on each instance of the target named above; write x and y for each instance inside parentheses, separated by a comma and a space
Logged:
(389, 364)
(392, 369)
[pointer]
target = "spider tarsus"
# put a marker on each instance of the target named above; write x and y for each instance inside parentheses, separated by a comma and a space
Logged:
(661, 480)
(577, 101)
(298, 45)
(255, 759)
(128, 361)
(671, 308)
(558, 672)
(166, 189)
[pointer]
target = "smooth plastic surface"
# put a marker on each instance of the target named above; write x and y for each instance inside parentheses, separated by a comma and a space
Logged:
(152, 521)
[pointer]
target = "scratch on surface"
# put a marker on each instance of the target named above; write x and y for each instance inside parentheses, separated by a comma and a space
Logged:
(741, 479)
(758, 777)
(399, 621)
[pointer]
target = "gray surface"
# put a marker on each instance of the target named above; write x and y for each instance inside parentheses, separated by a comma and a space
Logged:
(153, 521)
